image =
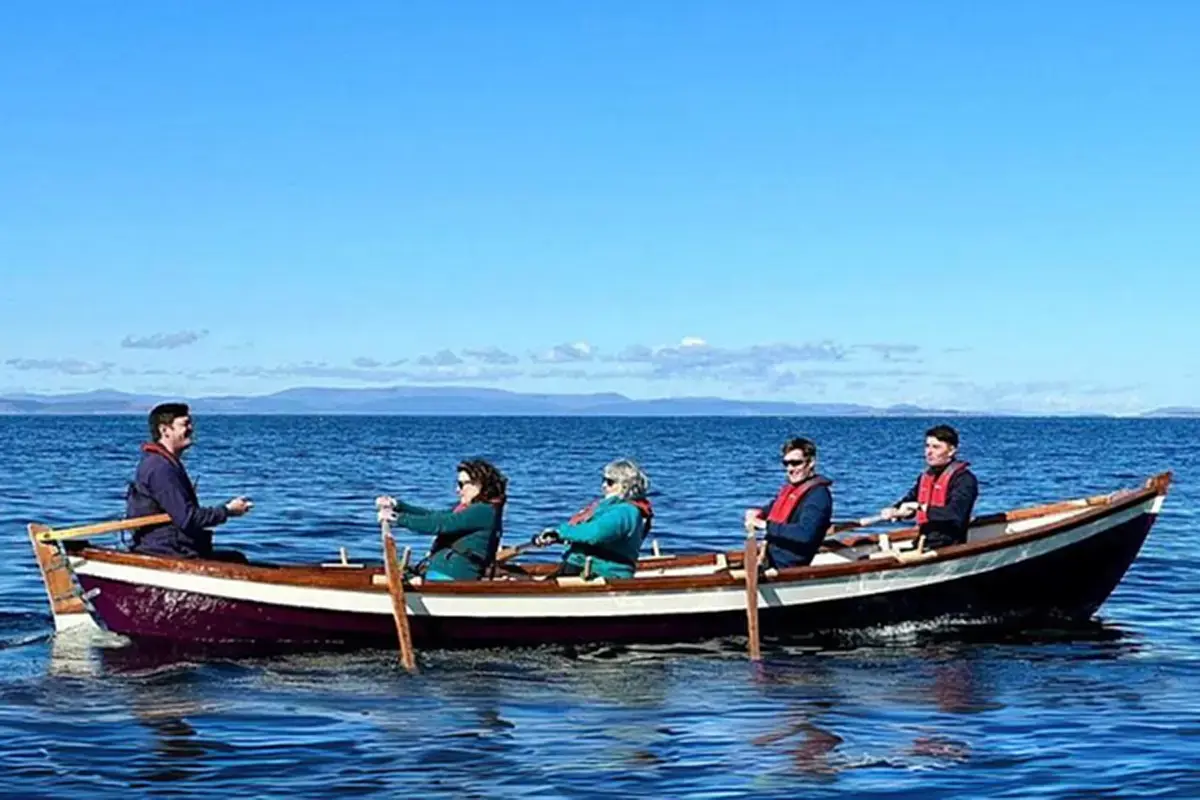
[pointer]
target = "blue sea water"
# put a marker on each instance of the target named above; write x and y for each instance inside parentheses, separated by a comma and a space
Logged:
(1107, 709)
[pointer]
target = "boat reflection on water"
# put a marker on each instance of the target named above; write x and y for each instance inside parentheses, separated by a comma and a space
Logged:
(160, 693)
(806, 707)
(825, 685)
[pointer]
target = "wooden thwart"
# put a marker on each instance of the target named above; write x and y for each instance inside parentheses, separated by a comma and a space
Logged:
(395, 580)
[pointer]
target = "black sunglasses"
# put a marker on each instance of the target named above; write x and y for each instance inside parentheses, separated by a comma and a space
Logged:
(794, 462)
(461, 484)
(610, 481)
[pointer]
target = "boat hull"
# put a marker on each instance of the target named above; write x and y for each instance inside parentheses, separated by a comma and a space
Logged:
(1063, 576)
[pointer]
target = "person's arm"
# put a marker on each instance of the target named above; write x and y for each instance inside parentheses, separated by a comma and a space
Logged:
(475, 517)
(812, 521)
(757, 515)
(407, 508)
(610, 525)
(960, 499)
(167, 489)
(911, 497)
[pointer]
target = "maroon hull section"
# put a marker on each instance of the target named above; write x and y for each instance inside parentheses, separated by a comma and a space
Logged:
(1071, 582)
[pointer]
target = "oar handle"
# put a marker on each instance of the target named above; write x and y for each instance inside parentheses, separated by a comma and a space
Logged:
(103, 527)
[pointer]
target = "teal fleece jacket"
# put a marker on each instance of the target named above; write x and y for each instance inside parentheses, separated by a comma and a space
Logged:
(465, 542)
(612, 538)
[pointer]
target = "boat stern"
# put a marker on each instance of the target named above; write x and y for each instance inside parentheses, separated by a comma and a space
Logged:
(66, 598)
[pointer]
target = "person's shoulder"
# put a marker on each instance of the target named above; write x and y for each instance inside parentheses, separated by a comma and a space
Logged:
(484, 512)
(152, 461)
(482, 509)
(624, 508)
(822, 492)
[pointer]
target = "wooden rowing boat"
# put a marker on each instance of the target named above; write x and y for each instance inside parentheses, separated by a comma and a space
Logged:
(1055, 561)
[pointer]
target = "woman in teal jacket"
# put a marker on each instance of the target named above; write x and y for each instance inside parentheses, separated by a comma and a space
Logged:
(610, 530)
(466, 537)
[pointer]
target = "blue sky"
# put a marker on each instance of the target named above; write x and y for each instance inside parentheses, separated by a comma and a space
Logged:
(980, 206)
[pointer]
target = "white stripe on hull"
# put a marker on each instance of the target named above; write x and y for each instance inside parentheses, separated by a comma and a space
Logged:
(613, 603)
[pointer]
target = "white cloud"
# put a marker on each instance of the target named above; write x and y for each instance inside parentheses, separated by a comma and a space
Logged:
(163, 341)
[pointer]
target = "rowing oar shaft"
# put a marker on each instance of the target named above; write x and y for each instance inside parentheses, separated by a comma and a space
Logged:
(103, 527)
(751, 565)
(514, 552)
(865, 522)
(395, 579)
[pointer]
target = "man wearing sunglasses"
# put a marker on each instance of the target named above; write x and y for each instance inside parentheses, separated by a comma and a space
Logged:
(797, 519)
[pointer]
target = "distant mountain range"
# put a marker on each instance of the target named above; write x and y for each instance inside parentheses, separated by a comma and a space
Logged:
(449, 401)
(1174, 411)
(466, 401)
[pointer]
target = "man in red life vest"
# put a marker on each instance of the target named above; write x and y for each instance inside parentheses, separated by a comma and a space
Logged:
(944, 494)
(797, 519)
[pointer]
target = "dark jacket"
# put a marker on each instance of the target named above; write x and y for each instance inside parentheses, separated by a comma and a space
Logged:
(948, 524)
(161, 484)
(794, 543)
(465, 540)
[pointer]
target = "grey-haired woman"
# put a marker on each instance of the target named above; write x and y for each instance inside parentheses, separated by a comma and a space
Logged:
(610, 530)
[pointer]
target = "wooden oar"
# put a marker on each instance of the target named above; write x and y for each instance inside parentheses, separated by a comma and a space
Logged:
(751, 565)
(102, 527)
(849, 525)
(513, 552)
(395, 579)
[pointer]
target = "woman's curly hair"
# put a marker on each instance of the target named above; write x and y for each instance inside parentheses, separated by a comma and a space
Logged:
(493, 486)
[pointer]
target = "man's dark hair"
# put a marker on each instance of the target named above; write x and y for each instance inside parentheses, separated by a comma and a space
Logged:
(165, 414)
(803, 445)
(943, 433)
(493, 486)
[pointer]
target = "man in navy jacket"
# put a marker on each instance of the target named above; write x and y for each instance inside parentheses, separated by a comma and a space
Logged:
(161, 485)
(797, 520)
(944, 495)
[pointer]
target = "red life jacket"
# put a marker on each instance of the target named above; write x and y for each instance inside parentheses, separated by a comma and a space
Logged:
(790, 495)
(643, 505)
(932, 490)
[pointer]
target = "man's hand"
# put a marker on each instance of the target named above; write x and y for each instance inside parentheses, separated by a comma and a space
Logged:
(751, 516)
(387, 514)
(238, 506)
(547, 537)
(383, 501)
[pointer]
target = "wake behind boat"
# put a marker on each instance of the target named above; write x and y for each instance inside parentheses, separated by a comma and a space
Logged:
(1058, 561)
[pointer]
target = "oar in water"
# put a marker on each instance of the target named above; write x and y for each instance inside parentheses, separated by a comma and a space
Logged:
(102, 527)
(750, 560)
(395, 579)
